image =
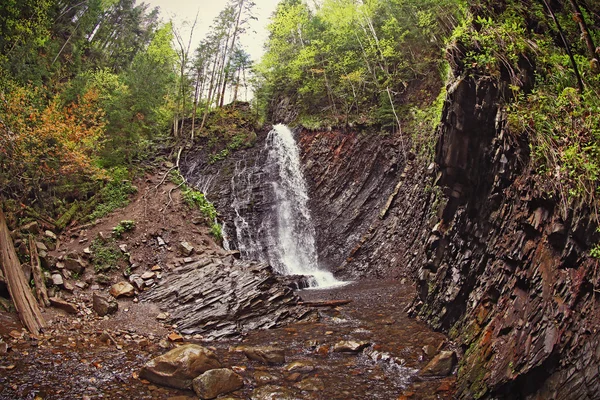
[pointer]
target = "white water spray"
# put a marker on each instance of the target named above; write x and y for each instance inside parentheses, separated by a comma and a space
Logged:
(293, 236)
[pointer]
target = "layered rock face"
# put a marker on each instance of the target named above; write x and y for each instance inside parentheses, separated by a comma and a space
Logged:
(508, 273)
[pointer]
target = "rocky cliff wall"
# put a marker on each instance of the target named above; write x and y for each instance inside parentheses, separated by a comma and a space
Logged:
(508, 273)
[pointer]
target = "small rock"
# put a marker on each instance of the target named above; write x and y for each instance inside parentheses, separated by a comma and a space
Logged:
(162, 316)
(263, 378)
(175, 337)
(137, 281)
(156, 268)
(312, 384)
(3, 347)
(63, 305)
(123, 247)
(41, 246)
(429, 350)
(122, 289)
(16, 334)
(265, 355)
(74, 264)
(60, 265)
(350, 346)
(57, 279)
(441, 365)
(81, 285)
(272, 392)
(188, 260)
(87, 251)
(215, 382)
(160, 241)
(31, 227)
(104, 306)
(300, 366)
(148, 275)
(68, 287)
(50, 234)
(185, 248)
(178, 367)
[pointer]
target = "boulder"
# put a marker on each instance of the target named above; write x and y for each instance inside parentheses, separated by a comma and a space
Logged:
(178, 367)
(441, 365)
(104, 306)
(215, 382)
(350, 346)
(122, 289)
(74, 264)
(265, 355)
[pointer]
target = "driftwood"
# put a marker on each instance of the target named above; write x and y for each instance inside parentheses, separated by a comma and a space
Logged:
(325, 303)
(26, 305)
(38, 277)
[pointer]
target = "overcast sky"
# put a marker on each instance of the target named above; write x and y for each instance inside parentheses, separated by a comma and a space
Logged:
(182, 12)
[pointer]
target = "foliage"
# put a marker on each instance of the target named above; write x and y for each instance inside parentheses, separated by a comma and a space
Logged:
(106, 255)
(122, 227)
(114, 194)
(352, 61)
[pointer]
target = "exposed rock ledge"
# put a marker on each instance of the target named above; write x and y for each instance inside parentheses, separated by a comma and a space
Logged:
(225, 297)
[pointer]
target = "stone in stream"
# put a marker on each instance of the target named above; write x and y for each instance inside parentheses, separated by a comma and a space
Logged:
(215, 382)
(122, 289)
(265, 355)
(104, 306)
(350, 346)
(178, 367)
(304, 366)
(312, 384)
(441, 365)
(272, 392)
(263, 378)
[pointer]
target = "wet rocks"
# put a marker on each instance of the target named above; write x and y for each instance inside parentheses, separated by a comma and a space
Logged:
(312, 384)
(350, 346)
(225, 297)
(265, 355)
(122, 289)
(180, 366)
(272, 392)
(441, 365)
(215, 382)
(303, 366)
(103, 305)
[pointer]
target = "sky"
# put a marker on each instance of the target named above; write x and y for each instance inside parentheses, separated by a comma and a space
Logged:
(183, 12)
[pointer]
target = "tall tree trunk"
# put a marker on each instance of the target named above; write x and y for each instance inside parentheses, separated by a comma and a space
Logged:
(195, 102)
(18, 287)
(585, 35)
(566, 44)
(232, 48)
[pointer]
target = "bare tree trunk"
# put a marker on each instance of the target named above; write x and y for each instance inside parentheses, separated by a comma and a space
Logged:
(195, 102)
(587, 38)
(20, 292)
(38, 277)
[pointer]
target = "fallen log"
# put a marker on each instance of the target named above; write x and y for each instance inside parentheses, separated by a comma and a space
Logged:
(18, 287)
(67, 217)
(325, 303)
(38, 276)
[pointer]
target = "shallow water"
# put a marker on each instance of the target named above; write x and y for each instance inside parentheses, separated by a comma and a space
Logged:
(73, 364)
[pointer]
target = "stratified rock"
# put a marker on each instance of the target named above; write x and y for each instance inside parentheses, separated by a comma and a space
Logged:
(217, 299)
(122, 289)
(272, 392)
(441, 365)
(63, 305)
(350, 346)
(180, 366)
(104, 306)
(215, 382)
(312, 384)
(186, 249)
(265, 355)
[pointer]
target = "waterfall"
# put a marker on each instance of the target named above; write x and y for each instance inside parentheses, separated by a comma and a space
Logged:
(291, 235)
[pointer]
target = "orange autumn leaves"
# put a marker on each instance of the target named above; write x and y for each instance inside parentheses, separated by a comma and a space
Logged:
(43, 141)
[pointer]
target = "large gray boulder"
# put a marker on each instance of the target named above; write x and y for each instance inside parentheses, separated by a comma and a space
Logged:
(215, 382)
(180, 366)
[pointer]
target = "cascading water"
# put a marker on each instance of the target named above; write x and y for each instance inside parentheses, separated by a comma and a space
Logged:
(291, 247)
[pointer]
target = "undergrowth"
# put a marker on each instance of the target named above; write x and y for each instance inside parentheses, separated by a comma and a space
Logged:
(105, 255)
(114, 194)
